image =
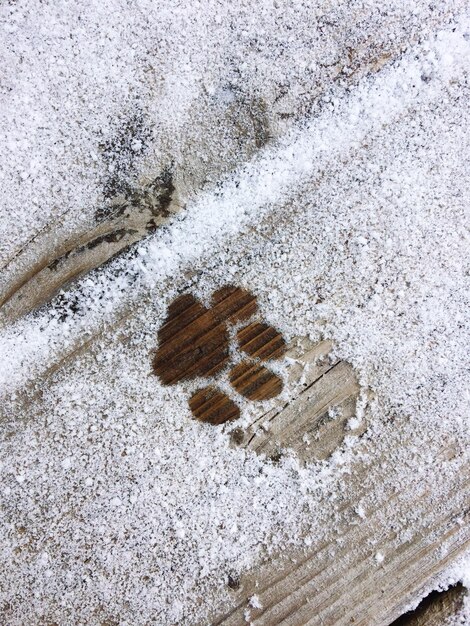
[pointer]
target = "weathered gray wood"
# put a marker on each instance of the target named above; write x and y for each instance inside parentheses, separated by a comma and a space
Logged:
(59, 256)
(340, 582)
(314, 423)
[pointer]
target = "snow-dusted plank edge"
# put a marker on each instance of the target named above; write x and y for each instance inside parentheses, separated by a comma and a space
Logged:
(436, 609)
(66, 252)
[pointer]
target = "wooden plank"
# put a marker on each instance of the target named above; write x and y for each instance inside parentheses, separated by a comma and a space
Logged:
(339, 580)
(377, 550)
(314, 422)
(336, 580)
(437, 609)
(343, 580)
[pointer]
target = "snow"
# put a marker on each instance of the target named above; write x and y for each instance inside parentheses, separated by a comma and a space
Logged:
(126, 502)
(255, 602)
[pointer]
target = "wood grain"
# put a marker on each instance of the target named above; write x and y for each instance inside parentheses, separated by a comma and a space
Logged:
(59, 252)
(261, 341)
(335, 584)
(336, 581)
(254, 381)
(194, 342)
(314, 422)
(59, 255)
(212, 406)
(233, 304)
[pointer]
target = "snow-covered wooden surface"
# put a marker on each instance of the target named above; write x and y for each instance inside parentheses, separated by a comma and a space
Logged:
(338, 198)
(444, 607)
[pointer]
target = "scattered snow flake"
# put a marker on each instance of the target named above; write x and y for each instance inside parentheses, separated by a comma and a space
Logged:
(360, 511)
(379, 557)
(354, 423)
(255, 602)
(66, 463)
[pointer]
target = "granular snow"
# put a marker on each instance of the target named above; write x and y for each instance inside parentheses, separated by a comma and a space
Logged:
(115, 504)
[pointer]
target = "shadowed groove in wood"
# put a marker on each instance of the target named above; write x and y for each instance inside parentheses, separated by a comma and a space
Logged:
(261, 341)
(255, 382)
(212, 406)
(435, 609)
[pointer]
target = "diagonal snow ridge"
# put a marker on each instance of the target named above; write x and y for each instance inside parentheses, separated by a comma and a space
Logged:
(31, 344)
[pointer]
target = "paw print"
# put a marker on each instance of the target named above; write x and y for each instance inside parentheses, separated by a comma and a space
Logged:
(194, 342)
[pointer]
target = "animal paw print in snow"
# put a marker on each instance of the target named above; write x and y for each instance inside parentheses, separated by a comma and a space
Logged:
(194, 342)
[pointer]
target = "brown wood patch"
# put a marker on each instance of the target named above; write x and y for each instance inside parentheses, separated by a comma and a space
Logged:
(192, 342)
(255, 382)
(213, 406)
(233, 304)
(261, 341)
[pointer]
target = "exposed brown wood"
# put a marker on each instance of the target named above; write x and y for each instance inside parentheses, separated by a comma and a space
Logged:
(261, 341)
(315, 586)
(255, 382)
(233, 304)
(337, 581)
(213, 406)
(192, 342)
